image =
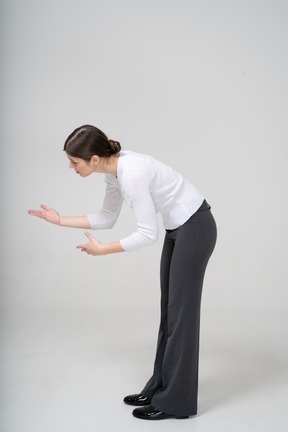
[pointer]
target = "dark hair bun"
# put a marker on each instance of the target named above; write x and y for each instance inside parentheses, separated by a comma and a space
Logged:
(115, 146)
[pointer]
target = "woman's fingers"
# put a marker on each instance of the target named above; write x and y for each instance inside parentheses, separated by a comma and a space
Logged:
(49, 214)
(90, 237)
(35, 212)
(91, 248)
(45, 207)
(39, 213)
(85, 248)
(82, 246)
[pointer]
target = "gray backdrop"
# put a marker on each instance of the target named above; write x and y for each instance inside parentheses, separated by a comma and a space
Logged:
(201, 85)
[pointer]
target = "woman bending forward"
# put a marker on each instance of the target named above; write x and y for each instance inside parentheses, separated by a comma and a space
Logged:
(150, 187)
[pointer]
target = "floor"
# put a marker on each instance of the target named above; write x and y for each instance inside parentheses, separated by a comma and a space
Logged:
(67, 371)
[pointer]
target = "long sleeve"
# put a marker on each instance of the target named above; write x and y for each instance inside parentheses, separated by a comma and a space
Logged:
(139, 197)
(112, 204)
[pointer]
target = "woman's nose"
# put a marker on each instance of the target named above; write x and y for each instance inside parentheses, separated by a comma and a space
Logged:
(70, 165)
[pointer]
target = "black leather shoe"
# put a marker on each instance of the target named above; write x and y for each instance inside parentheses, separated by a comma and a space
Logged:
(150, 413)
(136, 400)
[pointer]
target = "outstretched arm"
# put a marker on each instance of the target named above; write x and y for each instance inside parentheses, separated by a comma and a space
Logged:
(52, 216)
(94, 247)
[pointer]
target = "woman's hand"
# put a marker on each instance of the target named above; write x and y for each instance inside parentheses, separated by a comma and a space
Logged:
(49, 214)
(92, 248)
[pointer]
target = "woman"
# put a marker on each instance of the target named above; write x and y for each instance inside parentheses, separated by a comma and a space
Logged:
(150, 187)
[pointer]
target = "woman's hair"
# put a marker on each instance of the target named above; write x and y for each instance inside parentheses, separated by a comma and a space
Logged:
(87, 141)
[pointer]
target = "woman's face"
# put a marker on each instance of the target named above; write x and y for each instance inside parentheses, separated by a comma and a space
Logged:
(82, 167)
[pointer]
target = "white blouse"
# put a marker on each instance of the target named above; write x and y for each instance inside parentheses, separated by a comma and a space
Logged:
(149, 187)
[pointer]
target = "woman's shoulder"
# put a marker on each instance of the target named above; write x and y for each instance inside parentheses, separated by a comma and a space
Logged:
(132, 161)
(129, 155)
(133, 168)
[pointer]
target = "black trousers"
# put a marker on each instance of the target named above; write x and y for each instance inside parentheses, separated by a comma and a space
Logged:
(173, 387)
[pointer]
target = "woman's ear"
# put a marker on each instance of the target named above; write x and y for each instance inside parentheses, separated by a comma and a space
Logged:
(95, 160)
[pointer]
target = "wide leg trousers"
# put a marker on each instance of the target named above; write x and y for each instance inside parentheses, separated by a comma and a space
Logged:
(173, 387)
